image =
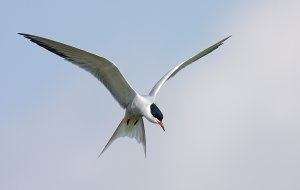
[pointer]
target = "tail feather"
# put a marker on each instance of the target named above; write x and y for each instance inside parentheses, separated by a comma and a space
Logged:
(132, 127)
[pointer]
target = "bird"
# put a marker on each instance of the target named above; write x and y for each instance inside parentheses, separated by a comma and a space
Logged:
(136, 105)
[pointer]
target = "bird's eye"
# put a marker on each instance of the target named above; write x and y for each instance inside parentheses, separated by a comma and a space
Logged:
(156, 112)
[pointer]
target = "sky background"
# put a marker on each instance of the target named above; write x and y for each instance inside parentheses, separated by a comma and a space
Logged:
(232, 119)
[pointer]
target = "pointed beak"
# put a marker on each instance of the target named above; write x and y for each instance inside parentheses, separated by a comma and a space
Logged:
(161, 124)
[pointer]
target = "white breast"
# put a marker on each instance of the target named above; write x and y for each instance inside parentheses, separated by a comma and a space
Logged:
(140, 106)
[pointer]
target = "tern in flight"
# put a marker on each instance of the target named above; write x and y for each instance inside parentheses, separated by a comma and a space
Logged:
(136, 106)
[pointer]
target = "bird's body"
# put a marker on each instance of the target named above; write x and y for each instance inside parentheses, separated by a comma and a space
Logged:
(139, 104)
(136, 106)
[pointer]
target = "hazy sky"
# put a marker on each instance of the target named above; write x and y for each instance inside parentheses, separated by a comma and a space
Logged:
(232, 119)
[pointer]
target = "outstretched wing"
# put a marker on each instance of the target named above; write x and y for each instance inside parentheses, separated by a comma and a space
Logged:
(132, 127)
(176, 69)
(101, 68)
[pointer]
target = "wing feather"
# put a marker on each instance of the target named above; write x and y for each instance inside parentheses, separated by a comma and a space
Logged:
(101, 68)
(176, 69)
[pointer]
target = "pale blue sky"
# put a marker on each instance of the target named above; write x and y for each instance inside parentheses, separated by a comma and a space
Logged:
(232, 119)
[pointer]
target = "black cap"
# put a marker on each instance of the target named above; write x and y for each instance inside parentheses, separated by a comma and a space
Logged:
(156, 112)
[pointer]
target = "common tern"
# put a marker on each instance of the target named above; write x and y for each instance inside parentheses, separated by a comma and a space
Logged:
(136, 106)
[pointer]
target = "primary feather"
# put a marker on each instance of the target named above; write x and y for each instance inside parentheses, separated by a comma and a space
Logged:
(101, 68)
(176, 69)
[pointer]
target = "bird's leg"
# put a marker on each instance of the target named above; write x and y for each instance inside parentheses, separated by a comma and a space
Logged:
(128, 121)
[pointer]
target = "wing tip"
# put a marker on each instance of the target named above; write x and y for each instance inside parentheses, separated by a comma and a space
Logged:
(101, 153)
(24, 35)
(221, 42)
(227, 37)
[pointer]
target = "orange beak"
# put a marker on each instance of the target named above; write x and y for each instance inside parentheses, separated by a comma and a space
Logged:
(161, 124)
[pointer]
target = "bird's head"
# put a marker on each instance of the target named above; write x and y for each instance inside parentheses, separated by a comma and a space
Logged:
(157, 116)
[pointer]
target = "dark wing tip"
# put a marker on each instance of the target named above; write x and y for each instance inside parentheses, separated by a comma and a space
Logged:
(221, 42)
(40, 41)
(227, 37)
(28, 36)
(25, 35)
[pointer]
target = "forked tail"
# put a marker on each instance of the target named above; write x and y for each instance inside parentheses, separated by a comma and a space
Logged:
(130, 126)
